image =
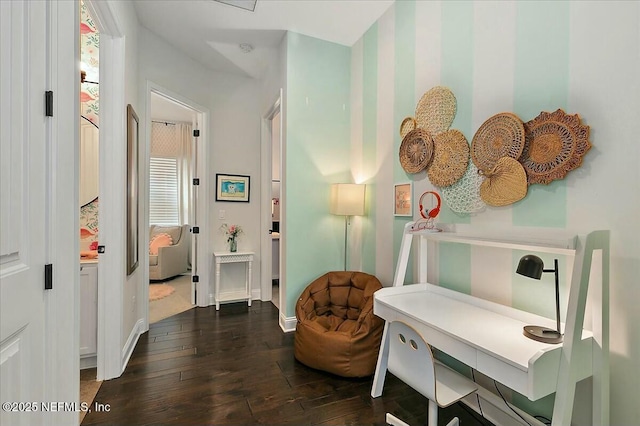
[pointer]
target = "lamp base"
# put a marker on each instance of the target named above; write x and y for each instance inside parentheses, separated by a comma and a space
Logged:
(542, 334)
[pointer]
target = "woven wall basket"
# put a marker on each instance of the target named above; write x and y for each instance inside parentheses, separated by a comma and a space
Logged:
(407, 125)
(555, 144)
(436, 110)
(464, 195)
(500, 136)
(505, 184)
(416, 151)
(450, 158)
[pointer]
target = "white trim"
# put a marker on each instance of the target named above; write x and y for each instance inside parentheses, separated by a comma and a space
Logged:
(265, 199)
(202, 207)
(111, 277)
(62, 310)
(104, 16)
(256, 294)
(287, 324)
(88, 362)
(130, 345)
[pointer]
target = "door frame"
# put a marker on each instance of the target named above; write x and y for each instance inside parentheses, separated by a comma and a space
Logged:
(265, 211)
(62, 311)
(201, 167)
(111, 265)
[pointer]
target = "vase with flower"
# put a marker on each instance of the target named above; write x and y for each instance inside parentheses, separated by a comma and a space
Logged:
(232, 232)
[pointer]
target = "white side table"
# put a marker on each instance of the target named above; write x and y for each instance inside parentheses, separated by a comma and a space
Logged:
(221, 257)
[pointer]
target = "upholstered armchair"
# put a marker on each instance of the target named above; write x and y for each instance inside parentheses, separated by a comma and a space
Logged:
(172, 259)
(336, 329)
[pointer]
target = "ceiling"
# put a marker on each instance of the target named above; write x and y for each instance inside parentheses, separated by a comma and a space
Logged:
(211, 32)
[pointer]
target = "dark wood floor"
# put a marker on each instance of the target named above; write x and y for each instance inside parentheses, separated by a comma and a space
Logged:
(236, 366)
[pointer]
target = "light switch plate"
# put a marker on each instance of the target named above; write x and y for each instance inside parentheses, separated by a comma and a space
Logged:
(221, 214)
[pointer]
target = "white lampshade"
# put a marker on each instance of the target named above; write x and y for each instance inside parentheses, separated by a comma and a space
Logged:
(347, 199)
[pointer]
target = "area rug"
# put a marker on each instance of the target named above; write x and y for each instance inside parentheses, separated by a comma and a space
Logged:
(178, 301)
(158, 291)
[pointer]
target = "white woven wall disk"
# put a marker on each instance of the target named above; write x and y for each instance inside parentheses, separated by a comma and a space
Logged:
(464, 195)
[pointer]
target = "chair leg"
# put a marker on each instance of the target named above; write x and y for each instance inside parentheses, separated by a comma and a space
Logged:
(394, 421)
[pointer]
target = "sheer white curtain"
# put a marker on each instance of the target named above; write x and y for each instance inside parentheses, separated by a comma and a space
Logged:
(185, 170)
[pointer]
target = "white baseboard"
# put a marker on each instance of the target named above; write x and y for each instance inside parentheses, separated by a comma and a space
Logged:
(128, 348)
(256, 294)
(88, 362)
(287, 324)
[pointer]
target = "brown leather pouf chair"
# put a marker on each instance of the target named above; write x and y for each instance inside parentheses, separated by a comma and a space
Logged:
(337, 330)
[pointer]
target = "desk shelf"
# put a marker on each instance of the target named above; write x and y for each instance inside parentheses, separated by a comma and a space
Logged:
(542, 368)
(560, 245)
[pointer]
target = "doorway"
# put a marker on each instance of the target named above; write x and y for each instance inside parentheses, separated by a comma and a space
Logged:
(275, 208)
(89, 184)
(273, 286)
(171, 215)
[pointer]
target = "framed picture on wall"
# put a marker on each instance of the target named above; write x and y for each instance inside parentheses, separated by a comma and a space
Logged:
(232, 188)
(132, 190)
(402, 197)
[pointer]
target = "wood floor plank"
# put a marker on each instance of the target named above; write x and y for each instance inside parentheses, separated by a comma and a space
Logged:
(236, 366)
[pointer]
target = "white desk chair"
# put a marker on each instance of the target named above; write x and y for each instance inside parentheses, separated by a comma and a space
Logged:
(411, 360)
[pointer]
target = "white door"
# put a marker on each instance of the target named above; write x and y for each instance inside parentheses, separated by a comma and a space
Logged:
(23, 206)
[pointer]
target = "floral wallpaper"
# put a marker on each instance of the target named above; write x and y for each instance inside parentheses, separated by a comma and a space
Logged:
(89, 108)
(89, 47)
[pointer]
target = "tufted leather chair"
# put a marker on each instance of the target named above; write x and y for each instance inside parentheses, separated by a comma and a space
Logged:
(336, 329)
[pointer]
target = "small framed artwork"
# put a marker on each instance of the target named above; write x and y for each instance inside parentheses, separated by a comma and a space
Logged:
(232, 188)
(402, 197)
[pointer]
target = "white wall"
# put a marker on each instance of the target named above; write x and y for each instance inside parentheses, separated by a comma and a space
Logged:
(234, 104)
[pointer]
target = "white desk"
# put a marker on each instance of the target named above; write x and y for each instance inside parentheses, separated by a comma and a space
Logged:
(236, 257)
(484, 335)
(488, 336)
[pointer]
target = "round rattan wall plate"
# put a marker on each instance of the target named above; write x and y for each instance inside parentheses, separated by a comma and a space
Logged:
(500, 136)
(505, 184)
(555, 144)
(436, 110)
(450, 158)
(416, 151)
(407, 125)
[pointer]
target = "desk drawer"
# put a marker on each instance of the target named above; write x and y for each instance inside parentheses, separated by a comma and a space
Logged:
(507, 374)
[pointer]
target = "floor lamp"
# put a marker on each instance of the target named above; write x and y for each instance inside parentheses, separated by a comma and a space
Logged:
(347, 199)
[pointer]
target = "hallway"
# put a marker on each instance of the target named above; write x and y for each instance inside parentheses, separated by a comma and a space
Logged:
(236, 366)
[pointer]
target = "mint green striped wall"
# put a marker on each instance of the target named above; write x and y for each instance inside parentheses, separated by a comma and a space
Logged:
(454, 268)
(369, 136)
(457, 74)
(542, 84)
(317, 154)
(403, 103)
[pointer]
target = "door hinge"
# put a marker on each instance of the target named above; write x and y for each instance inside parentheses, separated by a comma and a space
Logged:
(101, 249)
(195, 278)
(48, 276)
(48, 103)
(196, 133)
(195, 230)
(196, 181)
